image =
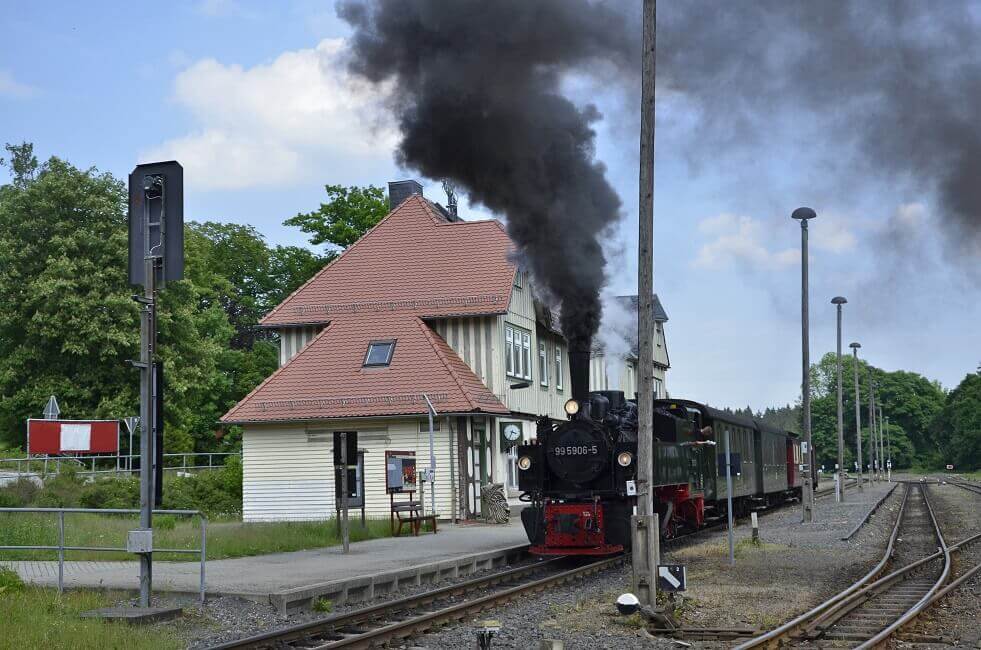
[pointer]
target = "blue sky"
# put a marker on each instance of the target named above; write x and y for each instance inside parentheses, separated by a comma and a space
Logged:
(252, 101)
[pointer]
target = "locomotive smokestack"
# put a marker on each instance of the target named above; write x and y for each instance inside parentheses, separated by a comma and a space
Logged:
(579, 372)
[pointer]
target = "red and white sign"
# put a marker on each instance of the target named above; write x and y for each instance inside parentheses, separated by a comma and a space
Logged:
(72, 437)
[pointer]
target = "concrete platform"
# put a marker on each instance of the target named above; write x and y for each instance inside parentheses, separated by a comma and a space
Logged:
(135, 615)
(290, 580)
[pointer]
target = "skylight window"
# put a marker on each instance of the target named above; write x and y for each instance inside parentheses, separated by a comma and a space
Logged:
(379, 354)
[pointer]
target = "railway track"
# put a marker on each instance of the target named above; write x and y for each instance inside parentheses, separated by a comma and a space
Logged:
(874, 608)
(389, 621)
(965, 485)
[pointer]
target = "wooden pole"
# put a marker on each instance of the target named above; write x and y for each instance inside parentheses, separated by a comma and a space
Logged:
(645, 566)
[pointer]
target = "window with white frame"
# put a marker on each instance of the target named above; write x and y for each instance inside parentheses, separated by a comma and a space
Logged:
(517, 352)
(512, 467)
(543, 363)
(558, 367)
(658, 393)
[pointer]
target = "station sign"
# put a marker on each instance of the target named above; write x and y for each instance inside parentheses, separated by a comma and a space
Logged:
(51, 437)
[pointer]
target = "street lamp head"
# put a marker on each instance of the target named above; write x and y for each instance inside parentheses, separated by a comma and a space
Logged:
(838, 300)
(855, 344)
(803, 214)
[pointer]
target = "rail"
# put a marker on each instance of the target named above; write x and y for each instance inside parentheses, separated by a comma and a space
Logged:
(773, 636)
(62, 547)
(378, 624)
(825, 614)
(123, 463)
(928, 597)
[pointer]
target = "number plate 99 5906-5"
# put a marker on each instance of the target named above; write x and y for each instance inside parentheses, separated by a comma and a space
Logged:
(576, 450)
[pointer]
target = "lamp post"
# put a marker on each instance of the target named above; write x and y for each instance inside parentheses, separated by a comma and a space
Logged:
(804, 215)
(855, 345)
(873, 450)
(838, 301)
(888, 451)
(882, 445)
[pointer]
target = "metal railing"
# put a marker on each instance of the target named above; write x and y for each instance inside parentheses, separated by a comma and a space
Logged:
(61, 547)
(118, 464)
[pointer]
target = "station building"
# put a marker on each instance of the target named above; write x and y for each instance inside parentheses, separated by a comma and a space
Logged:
(424, 305)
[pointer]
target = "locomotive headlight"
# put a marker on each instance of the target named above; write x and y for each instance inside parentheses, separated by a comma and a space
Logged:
(571, 407)
(524, 462)
(624, 458)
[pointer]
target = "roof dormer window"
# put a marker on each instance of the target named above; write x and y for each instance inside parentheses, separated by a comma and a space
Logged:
(379, 354)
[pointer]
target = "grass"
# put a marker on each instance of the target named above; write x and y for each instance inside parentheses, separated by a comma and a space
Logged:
(226, 538)
(41, 618)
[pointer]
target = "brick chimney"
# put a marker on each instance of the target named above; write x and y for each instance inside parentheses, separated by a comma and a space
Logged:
(399, 191)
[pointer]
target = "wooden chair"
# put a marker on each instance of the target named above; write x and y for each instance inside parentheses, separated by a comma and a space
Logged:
(408, 512)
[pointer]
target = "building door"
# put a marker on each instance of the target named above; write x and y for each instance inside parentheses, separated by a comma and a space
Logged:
(480, 460)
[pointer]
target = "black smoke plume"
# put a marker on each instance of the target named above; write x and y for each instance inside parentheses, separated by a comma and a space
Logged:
(897, 80)
(478, 101)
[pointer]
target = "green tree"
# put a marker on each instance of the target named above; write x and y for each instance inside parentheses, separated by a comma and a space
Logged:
(68, 324)
(910, 400)
(348, 214)
(957, 427)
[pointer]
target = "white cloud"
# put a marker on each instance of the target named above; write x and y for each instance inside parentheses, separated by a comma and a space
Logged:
(216, 7)
(831, 233)
(739, 240)
(10, 87)
(745, 241)
(276, 124)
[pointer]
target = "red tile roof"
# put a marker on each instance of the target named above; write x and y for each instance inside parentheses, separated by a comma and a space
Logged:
(413, 264)
(327, 380)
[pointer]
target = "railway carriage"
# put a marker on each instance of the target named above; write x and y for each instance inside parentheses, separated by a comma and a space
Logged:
(579, 475)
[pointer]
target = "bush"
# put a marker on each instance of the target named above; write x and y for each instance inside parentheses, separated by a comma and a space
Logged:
(10, 582)
(22, 491)
(8, 500)
(217, 492)
(62, 491)
(111, 493)
(165, 522)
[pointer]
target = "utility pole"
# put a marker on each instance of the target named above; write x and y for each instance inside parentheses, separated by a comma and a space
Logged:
(804, 215)
(838, 301)
(646, 553)
(855, 345)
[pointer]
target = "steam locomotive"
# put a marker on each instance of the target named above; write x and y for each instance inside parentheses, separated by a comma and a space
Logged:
(580, 475)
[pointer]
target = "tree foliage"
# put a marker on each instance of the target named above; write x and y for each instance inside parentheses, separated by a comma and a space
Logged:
(348, 214)
(957, 428)
(68, 324)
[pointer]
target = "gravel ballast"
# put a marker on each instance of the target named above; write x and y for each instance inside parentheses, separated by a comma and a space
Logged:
(796, 566)
(954, 621)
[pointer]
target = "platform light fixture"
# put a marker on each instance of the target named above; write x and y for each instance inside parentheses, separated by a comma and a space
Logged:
(838, 301)
(804, 215)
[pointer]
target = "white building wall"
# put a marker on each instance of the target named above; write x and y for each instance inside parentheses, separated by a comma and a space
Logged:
(284, 476)
(294, 339)
(288, 474)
